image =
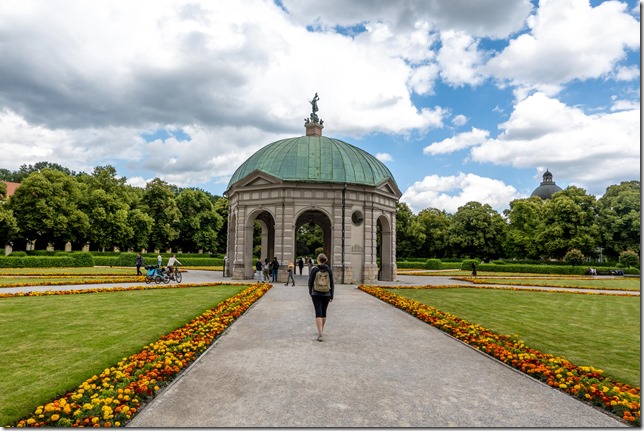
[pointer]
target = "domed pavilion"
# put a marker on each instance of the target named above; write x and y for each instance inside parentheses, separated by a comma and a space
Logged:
(321, 181)
(547, 187)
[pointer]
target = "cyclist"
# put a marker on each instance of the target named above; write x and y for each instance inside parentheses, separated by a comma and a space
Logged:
(171, 263)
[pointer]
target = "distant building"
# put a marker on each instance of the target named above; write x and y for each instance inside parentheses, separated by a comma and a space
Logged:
(547, 187)
(11, 187)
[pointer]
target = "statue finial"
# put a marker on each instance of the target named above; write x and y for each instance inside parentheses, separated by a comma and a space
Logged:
(314, 108)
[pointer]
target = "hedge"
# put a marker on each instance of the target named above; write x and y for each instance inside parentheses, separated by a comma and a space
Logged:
(433, 264)
(548, 269)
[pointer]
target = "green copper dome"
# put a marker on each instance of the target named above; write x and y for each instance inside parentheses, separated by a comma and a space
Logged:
(315, 159)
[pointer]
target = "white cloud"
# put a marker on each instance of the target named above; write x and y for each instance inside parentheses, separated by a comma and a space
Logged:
(458, 142)
(384, 157)
(627, 73)
(568, 40)
(459, 120)
(459, 59)
(590, 150)
(451, 192)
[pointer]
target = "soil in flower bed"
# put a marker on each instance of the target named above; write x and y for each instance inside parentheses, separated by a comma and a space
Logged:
(55, 342)
(597, 330)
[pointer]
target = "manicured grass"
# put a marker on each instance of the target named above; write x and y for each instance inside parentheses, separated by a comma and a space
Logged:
(593, 330)
(44, 280)
(49, 345)
(595, 283)
(96, 270)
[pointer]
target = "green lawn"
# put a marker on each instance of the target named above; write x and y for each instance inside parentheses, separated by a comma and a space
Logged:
(596, 330)
(35, 281)
(596, 283)
(96, 270)
(49, 345)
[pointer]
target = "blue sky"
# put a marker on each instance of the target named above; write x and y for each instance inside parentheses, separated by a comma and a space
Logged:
(461, 100)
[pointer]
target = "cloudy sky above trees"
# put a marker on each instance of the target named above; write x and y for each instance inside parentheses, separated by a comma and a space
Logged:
(462, 100)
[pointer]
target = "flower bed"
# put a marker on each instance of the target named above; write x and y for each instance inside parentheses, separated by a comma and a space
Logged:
(544, 289)
(113, 397)
(477, 280)
(82, 279)
(585, 383)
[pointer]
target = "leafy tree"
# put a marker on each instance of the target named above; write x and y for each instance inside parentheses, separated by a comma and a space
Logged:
(3, 191)
(309, 238)
(405, 240)
(619, 218)
(8, 226)
(574, 257)
(431, 226)
(161, 206)
(629, 258)
(199, 223)
(221, 207)
(6, 175)
(26, 170)
(477, 231)
(108, 213)
(46, 206)
(524, 221)
(568, 222)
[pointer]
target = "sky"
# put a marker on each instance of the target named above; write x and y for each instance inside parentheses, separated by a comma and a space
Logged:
(462, 100)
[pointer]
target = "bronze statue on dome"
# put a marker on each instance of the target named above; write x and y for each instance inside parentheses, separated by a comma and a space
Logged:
(314, 109)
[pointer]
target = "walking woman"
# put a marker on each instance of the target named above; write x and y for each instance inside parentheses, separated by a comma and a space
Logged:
(321, 287)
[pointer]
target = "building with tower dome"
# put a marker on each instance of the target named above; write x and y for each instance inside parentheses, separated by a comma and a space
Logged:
(547, 187)
(315, 180)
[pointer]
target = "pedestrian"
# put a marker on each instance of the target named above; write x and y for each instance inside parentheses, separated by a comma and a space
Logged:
(159, 260)
(309, 260)
(258, 269)
(321, 288)
(291, 268)
(275, 266)
(139, 264)
(474, 269)
(300, 264)
(266, 269)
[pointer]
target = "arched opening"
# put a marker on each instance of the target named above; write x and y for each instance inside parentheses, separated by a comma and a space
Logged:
(384, 247)
(312, 233)
(262, 247)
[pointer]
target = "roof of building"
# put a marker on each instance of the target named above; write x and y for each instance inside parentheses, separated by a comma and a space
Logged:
(547, 187)
(11, 187)
(315, 159)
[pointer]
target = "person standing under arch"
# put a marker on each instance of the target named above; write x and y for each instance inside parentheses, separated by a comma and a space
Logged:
(321, 295)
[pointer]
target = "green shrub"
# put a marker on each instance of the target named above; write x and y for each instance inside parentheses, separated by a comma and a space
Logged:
(37, 262)
(466, 265)
(629, 258)
(126, 259)
(105, 260)
(18, 254)
(433, 264)
(499, 262)
(82, 259)
(451, 265)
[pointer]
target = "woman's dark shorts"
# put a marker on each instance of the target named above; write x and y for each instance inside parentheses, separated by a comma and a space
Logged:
(320, 303)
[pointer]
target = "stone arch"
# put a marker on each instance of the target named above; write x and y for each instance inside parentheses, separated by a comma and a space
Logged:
(320, 217)
(387, 249)
(266, 220)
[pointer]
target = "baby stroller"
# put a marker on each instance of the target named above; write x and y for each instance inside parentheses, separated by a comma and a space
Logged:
(157, 274)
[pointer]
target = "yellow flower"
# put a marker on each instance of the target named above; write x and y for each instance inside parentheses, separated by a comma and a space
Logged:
(55, 417)
(31, 421)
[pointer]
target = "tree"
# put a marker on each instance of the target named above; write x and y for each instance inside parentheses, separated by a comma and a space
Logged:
(46, 207)
(574, 257)
(221, 207)
(431, 226)
(108, 213)
(160, 205)
(8, 226)
(629, 258)
(406, 245)
(477, 231)
(569, 221)
(3, 191)
(524, 221)
(619, 218)
(199, 222)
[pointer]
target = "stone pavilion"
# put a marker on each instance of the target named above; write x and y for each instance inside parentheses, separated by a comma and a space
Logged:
(314, 180)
